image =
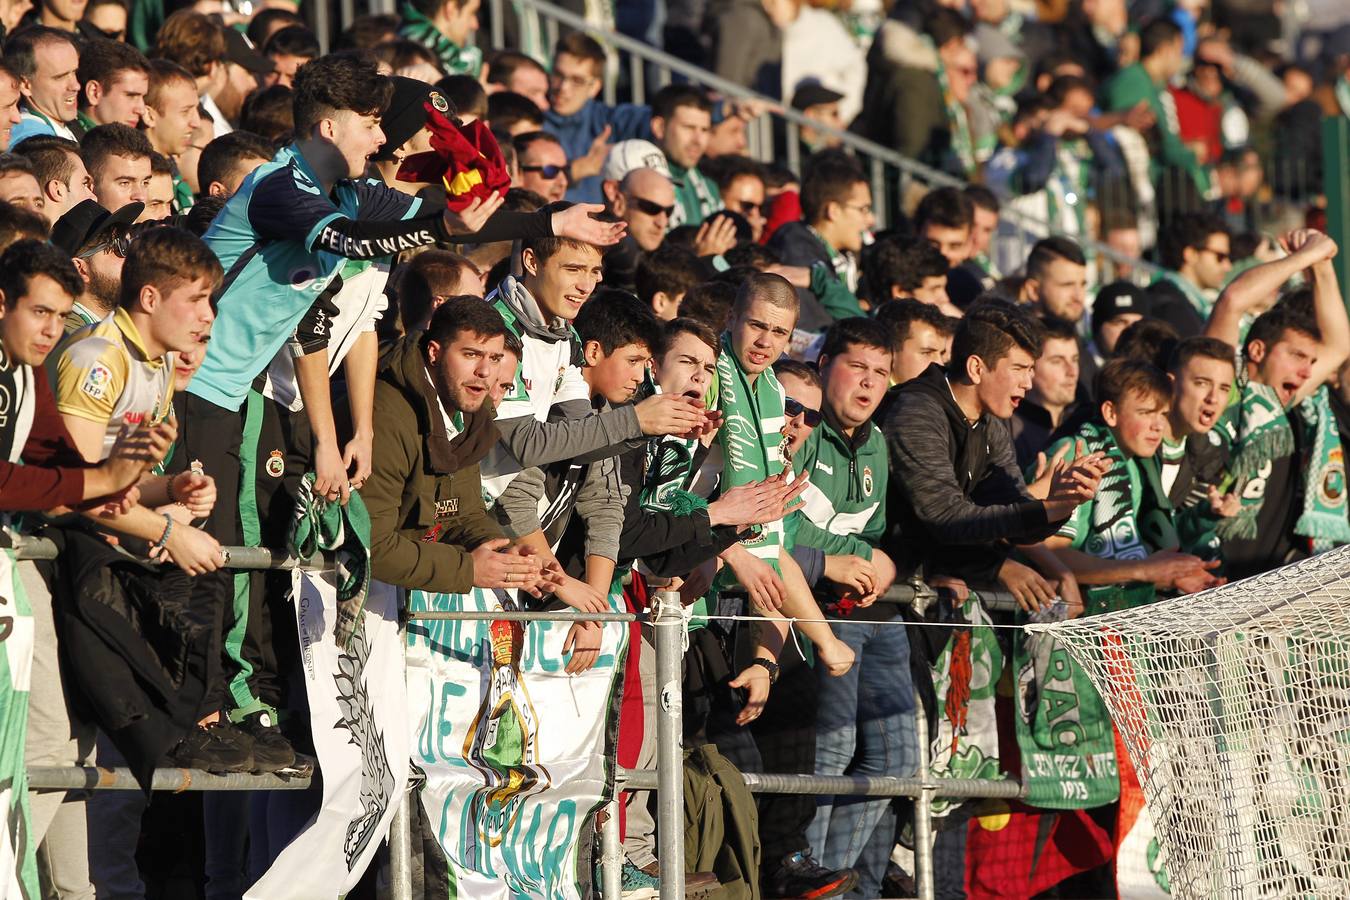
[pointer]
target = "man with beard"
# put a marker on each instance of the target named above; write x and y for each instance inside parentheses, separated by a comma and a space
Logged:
(1056, 404)
(96, 241)
(1056, 287)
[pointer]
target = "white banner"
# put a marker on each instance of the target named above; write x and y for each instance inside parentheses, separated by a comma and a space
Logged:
(358, 713)
(18, 865)
(518, 754)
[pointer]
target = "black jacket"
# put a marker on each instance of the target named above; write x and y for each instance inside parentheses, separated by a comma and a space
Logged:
(956, 493)
(135, 643)
(1032, 431)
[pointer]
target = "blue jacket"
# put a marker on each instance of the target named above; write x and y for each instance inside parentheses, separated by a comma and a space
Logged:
(576, 132)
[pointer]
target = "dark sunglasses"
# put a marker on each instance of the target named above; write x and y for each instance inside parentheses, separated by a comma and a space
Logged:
(118, 243)
(548, 173)
(652, 208)
(1218, 254)
(794, 408)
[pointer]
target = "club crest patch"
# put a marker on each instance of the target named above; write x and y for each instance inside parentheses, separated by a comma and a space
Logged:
(276, 464)
(867, 480)
(438, 102)
(97, 381)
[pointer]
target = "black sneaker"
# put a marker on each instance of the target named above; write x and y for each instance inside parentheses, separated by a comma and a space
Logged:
(800, 877)
(897, 883)
(218, 747)
(271, 751)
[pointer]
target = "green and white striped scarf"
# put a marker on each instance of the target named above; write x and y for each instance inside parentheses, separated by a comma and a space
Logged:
(668, 468)
(752, 443)
(1201, 301)
(456, 60)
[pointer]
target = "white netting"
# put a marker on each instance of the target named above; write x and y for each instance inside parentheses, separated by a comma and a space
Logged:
(1235, 706)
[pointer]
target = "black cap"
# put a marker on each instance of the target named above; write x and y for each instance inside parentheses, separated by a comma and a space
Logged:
(407, 113)
(240, 51)
(1117, 299)
(813, 93)
(85, 222)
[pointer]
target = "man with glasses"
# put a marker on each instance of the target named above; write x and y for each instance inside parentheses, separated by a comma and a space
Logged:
(543, 165)
(836, 213)
(584, 125)
(96, 240)
(1195, 249)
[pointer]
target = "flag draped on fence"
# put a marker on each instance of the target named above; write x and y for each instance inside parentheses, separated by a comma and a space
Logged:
(358, 714)
(18, 866)
(518, 754)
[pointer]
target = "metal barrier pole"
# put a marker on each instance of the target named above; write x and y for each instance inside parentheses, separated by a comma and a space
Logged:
(611, 854)
(923, 809)
(498, 27)
(668, 628)
(400, 850)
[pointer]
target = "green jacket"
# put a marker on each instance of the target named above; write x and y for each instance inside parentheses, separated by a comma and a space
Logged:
(1132, 84)
(845, 512)
(424, 493)
(696, 195)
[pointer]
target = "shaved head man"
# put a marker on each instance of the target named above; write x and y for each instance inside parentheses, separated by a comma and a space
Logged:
(645, 199)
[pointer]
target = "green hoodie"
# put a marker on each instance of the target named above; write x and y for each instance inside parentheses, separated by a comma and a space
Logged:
(845, 512)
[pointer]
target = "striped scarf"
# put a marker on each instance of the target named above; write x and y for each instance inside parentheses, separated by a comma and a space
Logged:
(456, 60)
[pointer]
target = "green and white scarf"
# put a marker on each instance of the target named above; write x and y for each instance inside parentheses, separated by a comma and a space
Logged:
(963, 144)
(668, 468)
(1260, 430)
(456, 60)
(752, 443)
(1201, 301)
(1130, 516)
(321, 526)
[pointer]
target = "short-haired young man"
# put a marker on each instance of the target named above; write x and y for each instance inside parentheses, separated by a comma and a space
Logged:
(118, 159)
(865, 723)
(159, 193)
(1121, 543)
(289, 48)
(1194, 456)
(920, 336)
(96, 240)
(171, 118)
(46, 61)
(228, 160)
(113, 80)
(664, 277)
(984, 223)
(445, 27)
(836, 213)
(543, 164)
(1283, 436)
(584, 124)
(428, 280)
(947, 448)
(60, 173)
(518, 73)
(945, 217)
(681, 124)
(1056, 404)
(1195, 250)
(897, 267)
(1116, 307)
(1056, 288)
(18, 185)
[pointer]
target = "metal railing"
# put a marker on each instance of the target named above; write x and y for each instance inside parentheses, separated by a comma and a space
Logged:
(648, 66)
(668, 626)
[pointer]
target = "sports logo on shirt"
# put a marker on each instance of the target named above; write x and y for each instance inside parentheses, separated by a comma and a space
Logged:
(96, 382)
(867, 480)
(276, 464)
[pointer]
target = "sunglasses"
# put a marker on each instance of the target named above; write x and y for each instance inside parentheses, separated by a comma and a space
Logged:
(1218, 254)
(794, 408)
(652, 208)
(548, 173)
(118, 243)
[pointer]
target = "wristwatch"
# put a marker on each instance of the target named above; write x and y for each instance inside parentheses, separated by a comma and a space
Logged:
(769, 665)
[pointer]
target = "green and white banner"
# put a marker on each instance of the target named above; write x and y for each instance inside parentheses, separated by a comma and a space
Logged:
(18, 865)
(518, 755)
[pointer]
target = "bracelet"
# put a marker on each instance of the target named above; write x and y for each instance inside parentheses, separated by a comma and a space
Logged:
(769, 665)
(168, 530)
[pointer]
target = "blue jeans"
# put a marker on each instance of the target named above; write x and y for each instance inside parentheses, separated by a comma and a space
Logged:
(865, 726)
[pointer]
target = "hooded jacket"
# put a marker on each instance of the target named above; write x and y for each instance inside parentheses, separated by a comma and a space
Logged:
(546, 416)
(424, 494)
(956, 491)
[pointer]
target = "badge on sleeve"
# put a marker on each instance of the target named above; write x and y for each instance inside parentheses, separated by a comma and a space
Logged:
(97, 381)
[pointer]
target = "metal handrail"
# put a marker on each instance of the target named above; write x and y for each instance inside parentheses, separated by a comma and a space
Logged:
(880, 156)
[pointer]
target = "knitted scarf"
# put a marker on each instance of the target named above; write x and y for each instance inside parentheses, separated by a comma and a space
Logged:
(456, 60)
(963, 144)
(668, 468)
(320, 525)
(1258, 431)
(752, 443)
(1323, 519)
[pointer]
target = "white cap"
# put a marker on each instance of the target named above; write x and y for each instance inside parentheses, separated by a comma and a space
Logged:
(627, 156)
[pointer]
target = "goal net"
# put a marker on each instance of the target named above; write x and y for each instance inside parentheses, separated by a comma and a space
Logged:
(1235, 707)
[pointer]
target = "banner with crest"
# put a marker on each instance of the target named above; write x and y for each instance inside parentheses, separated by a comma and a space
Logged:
(358, 714)
(518, 755)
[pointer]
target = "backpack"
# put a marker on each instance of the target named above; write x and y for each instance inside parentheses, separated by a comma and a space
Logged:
(721, 824)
